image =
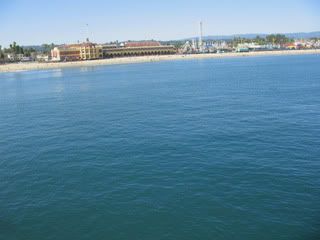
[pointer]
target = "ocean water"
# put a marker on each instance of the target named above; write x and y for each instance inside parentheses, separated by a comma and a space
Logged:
(204, 149)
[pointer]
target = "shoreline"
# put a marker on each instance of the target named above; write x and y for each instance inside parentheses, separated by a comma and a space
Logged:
(17, 67)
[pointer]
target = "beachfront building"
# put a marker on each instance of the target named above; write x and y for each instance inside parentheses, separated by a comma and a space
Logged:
(315, 43)
(15, 57)
(290, 46)
(75, 52)
(66, 53)
(143, 48)
(42, 58)
(89, 51)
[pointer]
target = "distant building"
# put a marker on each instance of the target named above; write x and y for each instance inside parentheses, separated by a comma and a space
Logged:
(89, 51)
(142, 44)
(76, 52)
(66, 53)
(290, 46)
(242, 49)
(14, 57)
(26, 59)
(137, 49)
(42, 58)
(11, 56)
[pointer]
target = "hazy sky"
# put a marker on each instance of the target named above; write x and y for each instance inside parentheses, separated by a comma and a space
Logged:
(64, 21)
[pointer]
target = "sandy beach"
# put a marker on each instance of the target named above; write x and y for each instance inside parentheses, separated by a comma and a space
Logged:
(14, 67)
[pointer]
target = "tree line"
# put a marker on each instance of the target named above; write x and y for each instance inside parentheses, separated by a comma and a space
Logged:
(277, 39)
(16, 49)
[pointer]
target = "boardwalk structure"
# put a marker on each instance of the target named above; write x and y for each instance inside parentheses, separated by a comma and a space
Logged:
(91, 51)
(138, 49)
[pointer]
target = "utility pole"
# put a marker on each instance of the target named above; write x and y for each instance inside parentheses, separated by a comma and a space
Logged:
(88, 32)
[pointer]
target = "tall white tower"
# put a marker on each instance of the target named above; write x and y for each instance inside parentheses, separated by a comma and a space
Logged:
(200, 38)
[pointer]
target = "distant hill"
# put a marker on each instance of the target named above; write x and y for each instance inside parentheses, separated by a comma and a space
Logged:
(303, 35)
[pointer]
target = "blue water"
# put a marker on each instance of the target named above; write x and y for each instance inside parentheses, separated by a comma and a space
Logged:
(207, 149)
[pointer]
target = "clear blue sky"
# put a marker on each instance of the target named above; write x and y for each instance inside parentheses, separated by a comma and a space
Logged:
(63, 21)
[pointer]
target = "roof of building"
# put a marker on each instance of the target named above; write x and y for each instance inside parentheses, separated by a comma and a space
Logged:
(87, 44)
(78, 45)
(143, 44)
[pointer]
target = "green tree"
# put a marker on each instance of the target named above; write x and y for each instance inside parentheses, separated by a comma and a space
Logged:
(15, 49)
(46, 48)
(260, 40)
(29, 51)
(278, 39)
(1, 54)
